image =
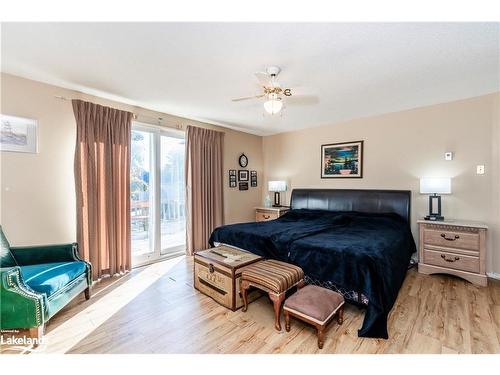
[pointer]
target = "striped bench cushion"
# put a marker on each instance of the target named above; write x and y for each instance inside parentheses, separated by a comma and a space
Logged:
(274, 275)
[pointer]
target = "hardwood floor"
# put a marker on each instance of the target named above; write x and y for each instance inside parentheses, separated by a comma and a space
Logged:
(155, 309)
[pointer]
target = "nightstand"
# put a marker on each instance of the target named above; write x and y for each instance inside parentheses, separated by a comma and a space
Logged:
(269, 213)
(453, 247)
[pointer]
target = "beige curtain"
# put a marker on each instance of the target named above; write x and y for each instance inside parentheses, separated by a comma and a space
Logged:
(102, 181)
(204, 186)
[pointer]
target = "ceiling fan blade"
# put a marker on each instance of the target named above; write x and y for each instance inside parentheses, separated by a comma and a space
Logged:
(248, 98)
(263, 78)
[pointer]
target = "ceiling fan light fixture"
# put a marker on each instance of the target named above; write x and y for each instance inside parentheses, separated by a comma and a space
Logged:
(273, 106)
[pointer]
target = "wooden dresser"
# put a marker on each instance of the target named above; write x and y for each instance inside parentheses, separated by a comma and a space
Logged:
(453, 247)
(269, 213)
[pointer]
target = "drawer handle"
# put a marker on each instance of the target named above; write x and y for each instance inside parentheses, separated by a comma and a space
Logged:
(449, 260)
(450, 239)
(266, 216)
(211, 268)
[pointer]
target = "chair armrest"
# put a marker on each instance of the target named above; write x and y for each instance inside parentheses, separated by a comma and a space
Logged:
(29, 255)
(20, 306)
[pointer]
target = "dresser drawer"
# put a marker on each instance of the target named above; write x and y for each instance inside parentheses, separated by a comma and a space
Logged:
(448, 238)
(451, 260)
(265, 215)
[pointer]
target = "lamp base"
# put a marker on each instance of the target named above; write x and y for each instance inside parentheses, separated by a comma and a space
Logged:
(276, 199)
(434, 218)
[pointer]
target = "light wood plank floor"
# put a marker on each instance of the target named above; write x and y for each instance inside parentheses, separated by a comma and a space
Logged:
(155, 309)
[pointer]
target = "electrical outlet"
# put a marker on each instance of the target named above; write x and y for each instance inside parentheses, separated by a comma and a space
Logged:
(480, 169)
(448, 156)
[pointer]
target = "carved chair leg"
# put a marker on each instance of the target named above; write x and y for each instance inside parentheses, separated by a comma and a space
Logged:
(321, 336)
(340, 315)
(37, 333)
(244, 285)
(277, 301)
(87, 293)
(287, 321)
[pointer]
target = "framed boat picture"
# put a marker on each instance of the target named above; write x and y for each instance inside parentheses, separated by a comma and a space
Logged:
(18, 134)
(342, 160)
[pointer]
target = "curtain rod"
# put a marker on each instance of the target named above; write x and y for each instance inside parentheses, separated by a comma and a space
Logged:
(135, 115)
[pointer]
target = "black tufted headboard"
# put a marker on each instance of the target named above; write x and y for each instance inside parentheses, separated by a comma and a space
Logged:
(373, 201)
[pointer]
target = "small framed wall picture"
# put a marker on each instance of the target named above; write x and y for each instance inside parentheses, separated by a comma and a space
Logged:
(18, 134)
(243, 185)
(253, 178)
(232, 178)
(242, 175)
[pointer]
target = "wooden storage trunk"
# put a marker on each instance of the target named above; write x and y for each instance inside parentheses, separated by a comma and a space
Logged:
(217, 274)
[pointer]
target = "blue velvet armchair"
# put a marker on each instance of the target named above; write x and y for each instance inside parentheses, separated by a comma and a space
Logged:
(38, 281)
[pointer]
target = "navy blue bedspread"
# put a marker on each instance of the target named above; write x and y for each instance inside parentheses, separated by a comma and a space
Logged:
(362, 252)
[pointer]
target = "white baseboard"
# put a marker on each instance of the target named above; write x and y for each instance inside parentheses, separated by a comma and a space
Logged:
(493, 275)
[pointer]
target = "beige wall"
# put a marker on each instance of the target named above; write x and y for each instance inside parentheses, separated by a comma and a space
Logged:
(401, 147)
(37, 190)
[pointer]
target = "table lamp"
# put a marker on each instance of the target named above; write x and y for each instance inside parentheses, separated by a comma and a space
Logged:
(435, 186)
(277, 187)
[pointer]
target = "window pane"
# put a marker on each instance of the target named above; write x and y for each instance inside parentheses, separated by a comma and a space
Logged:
(172, 190)
(141, 193)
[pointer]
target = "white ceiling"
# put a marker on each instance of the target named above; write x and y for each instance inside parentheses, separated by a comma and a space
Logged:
(194, 69)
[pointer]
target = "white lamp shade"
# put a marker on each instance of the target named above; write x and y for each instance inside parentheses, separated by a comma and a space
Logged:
(435, 185)
(278, 186)
(273, 106)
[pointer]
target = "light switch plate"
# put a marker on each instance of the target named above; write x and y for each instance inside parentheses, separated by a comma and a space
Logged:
(448, 155)
(480, 169)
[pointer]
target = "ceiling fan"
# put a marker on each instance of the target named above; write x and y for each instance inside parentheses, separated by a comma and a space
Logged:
(273, 92)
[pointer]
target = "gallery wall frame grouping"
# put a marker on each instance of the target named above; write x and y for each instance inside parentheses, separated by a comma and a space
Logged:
(243, 179)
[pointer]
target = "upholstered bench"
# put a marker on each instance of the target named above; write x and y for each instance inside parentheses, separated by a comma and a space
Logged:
(314, 305)
(273, 277)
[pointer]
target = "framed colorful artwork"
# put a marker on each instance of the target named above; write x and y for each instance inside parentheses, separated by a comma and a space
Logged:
(342, 160)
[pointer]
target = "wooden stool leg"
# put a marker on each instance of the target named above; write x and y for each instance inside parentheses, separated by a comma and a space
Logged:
(340, 315)
(287, 321)
(321, 336)
(244, 285)
(277, 300)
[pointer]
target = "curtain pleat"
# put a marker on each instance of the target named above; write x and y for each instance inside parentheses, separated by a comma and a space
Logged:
(204, 186)
(102, 182)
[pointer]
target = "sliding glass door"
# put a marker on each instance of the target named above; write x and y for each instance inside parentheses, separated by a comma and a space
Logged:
(157, 193)
(172, 194)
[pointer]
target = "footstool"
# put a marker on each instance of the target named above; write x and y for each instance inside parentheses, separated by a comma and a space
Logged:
(315, 305)
(273, 277)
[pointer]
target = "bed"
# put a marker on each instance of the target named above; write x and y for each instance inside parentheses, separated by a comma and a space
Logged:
(356, 242)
